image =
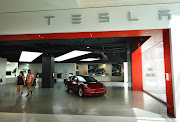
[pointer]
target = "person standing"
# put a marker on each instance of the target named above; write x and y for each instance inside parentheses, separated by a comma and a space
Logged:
(29, 81)
(20, 82)
(37, 80)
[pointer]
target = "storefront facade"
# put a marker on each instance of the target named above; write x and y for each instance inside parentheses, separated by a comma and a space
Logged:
(67, 23)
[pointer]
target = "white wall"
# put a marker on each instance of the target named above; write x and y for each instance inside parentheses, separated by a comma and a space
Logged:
(153, 72)
(35, 5)
(35, 68)
(23, 67)
(3, 63)
(11, 66)
(18, 23)
(65, 68)
(103, 3)
(175, 60)
(82, 67)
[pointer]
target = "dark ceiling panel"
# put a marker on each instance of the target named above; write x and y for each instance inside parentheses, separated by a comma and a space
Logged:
(114, 48)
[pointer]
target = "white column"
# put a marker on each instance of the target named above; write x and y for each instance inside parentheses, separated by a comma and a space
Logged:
(175, 61)
(3, 64)
(125, 72)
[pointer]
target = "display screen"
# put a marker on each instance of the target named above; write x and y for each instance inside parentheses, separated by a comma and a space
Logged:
(8, 73)
(97, 70)
(116, 69)
(59, 75)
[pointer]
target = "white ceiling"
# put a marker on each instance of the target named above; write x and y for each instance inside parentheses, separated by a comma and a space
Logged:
(34, 5)
(103, 3)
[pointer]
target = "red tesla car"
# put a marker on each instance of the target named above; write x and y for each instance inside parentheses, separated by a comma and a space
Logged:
(85, 86)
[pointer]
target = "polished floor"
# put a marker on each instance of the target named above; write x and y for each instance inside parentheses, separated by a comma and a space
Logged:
(19, 117)
(119, 102)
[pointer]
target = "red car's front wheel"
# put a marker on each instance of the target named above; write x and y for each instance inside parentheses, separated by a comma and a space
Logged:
(80, 92)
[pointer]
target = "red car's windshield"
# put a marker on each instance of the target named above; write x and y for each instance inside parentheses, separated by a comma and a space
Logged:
(86, 79)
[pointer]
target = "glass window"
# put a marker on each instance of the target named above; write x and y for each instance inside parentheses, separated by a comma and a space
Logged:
(89, 79)
(86, 79)
(81, 79)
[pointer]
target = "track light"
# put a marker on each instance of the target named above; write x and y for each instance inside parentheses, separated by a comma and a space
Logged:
(28, 56)
(90, 59)
(72, 54)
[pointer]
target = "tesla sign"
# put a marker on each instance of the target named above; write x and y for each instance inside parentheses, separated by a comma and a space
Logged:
(105, 18)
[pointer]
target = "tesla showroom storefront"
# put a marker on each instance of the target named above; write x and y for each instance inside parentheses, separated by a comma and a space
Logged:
(82, 60)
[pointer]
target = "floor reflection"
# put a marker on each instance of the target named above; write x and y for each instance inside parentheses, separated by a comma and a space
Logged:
(119, 101)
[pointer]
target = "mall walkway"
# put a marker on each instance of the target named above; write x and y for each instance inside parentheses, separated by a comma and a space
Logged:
(56, 102)
(19, 117)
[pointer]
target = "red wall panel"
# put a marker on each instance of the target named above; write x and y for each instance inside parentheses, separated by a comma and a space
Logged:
(167, 63)
(137, 70)
(133, 33)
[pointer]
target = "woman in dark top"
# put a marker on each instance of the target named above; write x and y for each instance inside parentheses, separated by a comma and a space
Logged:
(20, 82)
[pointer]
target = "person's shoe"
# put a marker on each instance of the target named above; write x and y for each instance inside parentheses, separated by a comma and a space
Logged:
(27, 95)
(31, 92)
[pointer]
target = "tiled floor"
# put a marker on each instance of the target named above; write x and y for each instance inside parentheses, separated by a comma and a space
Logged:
(118, 104)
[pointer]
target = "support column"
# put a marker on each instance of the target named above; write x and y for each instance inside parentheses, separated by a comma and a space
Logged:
(3, 64)
(47, 71)
(175, 60)
(129, 66)
(168, 73)
(137, 82)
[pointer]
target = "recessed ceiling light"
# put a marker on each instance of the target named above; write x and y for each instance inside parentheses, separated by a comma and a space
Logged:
(28, 56)
(90, 59)
(72, 54)
(87, 47)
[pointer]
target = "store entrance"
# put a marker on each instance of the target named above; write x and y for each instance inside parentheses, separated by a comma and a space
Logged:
(145, 57)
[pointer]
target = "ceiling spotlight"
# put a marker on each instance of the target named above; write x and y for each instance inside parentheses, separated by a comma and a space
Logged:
(90, 59)
(28, 56)
(87, 47)
(72, 54)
